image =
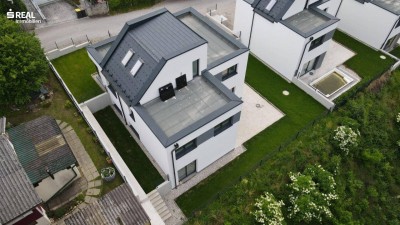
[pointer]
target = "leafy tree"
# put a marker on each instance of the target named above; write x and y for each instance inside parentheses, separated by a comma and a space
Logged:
(23, 66)
(15, 6)
(268, 210)
(311, 194)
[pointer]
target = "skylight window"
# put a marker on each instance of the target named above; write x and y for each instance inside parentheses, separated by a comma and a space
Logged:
(270, 5)
(136, 67)
(127, 57)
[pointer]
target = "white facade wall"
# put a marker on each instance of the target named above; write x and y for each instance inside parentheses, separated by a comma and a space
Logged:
(176, 67)
(236, 81)
(332, 6)
(366, 22)
(277, 46)
(296, 7)
(243, 19)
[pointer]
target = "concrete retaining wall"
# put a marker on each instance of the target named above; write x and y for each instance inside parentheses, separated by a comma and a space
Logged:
(64, 51)
(164, 188)
(98, 103)
(313, 93)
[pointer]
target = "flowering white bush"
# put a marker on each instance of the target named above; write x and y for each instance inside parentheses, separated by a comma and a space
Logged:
(346, 138)
(398, 118)
(311, 194)
(268, 210)
(398, 143)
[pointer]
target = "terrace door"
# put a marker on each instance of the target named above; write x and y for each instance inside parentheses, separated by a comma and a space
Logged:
(308, 66)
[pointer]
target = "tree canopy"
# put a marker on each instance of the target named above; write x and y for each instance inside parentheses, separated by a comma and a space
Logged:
(23, 66)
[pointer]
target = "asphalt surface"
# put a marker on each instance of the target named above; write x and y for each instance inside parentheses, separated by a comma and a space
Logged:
(97, 28)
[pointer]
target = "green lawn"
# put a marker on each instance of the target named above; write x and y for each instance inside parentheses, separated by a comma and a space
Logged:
(134, 157)
(123, 6)
(366, 63)
(69, 115)
(299, 108)
(76, 69)
(396, 52)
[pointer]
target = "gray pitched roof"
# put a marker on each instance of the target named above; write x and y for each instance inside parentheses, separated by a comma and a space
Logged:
(39, 144)
(16, 192)
(120, 205)
(277, 11)
(154, 38)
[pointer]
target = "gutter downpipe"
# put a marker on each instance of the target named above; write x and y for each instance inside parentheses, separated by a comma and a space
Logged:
(251, 29)
(173, 165)
(340, 5)
(302, 56)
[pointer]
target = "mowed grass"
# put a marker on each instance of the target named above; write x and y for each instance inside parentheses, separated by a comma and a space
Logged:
(396, 52)
(76, 69)
(69, 115)
(137, 161)
(299, 108)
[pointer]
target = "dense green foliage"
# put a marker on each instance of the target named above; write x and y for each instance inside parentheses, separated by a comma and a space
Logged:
(134, 157)
(76, 69)
(15, 6)
(299, 108)
(23, 66)
(119, 6)
(367, 184)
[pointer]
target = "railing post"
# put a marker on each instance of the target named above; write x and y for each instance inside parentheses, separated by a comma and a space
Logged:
(56, 45)
(72, 41)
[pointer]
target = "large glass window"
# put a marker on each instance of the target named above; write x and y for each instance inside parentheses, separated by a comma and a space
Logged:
(310, 65)
(222, 126)
(196, 68)
(185, 149)
(317, 42)
(187, 170)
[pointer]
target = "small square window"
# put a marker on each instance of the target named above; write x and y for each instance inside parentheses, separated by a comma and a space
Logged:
(230, 72)
(317, 42)
(222, 126)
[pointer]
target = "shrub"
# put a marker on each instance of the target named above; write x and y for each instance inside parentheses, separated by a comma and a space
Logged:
(68, 104)
(398, 118)
(311, 194)
(345, 138)
(268, 210)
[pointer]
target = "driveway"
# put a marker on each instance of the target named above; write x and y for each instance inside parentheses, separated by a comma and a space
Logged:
(57, 12)
(97, 28)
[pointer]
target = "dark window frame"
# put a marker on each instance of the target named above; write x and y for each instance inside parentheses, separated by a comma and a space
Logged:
(224, 125)
(197, 63)
(230, 72)
(132, 115)
(186, 171)
(185, 149)
(317, 42)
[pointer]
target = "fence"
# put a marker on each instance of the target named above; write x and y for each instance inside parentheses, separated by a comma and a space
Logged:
(289, 141)
(68, 45)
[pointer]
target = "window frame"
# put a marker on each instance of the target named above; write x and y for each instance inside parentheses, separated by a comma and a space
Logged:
(132, 115)
(230, 72)
(185, 149)
(136, 68)
(317, 42)
(224, 125)
(127, 57)
(197, 63)
(185, 168)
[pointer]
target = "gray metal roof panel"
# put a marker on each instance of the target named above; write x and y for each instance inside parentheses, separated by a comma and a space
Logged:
(392, 6)
(118, 205)
(95, 49)
(40, 144)
(277, 11)
(16, 192)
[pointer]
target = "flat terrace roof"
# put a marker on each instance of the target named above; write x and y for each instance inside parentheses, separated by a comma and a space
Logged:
(390, 5)
(221, 45)
(309, 22)
(190, 104)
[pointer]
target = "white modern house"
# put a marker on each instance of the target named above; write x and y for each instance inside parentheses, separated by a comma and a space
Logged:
(177, 80)
(374, 22)
(290, 36)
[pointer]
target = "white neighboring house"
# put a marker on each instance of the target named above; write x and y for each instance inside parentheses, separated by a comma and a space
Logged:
(177, 80)
(374, 22)
(290, 36)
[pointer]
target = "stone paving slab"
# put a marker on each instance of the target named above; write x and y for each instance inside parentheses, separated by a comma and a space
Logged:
(93, 191)
(89, 199)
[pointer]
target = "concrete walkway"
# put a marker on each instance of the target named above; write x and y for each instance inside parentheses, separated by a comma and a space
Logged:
(89, 184)
(97, 28)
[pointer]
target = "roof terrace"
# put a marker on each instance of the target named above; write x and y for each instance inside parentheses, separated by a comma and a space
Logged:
(309, 22)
